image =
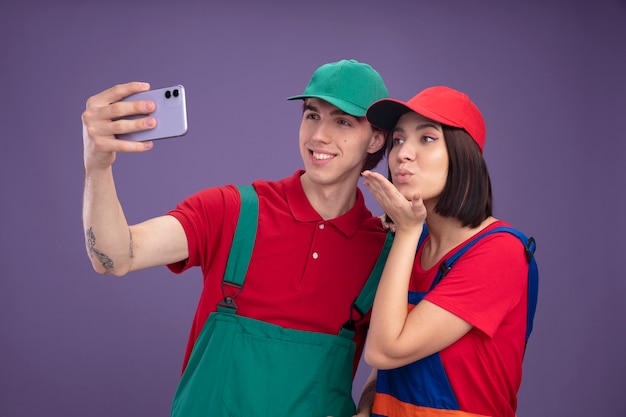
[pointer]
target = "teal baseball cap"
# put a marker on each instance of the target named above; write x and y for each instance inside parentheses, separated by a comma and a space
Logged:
(349, 85)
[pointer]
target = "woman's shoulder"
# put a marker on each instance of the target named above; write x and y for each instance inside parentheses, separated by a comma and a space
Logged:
(499, 242)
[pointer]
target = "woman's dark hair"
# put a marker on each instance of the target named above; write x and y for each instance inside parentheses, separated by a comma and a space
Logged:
(467, 193)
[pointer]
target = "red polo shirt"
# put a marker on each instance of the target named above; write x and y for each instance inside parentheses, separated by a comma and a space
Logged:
(304, 273)
(488, 288)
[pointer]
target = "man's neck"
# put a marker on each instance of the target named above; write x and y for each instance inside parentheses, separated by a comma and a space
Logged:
(329, 200)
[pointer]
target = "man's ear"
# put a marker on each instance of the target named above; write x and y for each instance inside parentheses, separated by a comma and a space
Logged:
(378, 141)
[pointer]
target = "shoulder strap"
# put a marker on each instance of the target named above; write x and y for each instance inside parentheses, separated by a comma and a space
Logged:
(363, 303)
(243, 243)
(533, 273)
(366, 298)
(423, 235)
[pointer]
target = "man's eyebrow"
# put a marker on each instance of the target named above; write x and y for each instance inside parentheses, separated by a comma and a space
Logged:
(336, 112)
(339, 112)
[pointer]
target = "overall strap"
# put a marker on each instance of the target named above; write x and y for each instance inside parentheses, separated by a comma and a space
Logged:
(423, 235)
(363, 303)
(241, 248)
(533, 273)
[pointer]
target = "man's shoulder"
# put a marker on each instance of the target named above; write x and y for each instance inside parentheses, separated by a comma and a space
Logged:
(264, 185)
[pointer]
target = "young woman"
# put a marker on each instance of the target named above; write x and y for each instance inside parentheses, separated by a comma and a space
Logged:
(457, 349)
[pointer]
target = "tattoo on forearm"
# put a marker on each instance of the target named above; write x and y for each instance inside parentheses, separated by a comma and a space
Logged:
(106, 262)
(131, 250)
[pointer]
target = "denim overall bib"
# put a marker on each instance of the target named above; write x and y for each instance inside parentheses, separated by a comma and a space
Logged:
(242, 367)
(422, 388)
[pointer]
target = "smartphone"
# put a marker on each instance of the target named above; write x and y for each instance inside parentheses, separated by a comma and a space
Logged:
(170, 114)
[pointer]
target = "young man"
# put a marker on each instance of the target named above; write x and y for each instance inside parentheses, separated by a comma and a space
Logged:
(275, 332)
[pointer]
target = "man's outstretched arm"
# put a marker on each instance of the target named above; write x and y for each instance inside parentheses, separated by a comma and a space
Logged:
(113, 246)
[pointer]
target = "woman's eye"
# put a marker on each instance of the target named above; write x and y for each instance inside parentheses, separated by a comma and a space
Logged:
(397, 141)
(429, 138)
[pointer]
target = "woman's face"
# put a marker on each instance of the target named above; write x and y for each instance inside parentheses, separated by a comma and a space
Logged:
(418, 159)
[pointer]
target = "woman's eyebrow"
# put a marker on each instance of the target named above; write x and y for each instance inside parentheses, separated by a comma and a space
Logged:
(419, 127)
(427, 125)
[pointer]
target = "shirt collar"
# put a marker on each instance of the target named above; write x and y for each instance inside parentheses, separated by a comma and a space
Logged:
(302, 210)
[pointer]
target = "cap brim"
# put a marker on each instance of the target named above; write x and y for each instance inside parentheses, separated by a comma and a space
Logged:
(384, 114)
(342, 105)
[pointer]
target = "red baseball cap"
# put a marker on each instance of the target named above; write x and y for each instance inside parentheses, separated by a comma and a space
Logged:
(440, 104)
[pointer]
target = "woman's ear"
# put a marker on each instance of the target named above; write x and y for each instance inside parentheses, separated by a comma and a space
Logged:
(377, 142)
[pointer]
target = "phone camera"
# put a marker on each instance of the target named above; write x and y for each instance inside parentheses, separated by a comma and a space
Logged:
(169, 93)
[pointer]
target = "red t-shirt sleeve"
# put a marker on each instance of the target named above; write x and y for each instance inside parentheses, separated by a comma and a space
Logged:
(208, 217)
(486, 283)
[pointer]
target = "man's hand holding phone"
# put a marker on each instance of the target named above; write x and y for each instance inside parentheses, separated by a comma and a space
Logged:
(134, 114)
(170, 114)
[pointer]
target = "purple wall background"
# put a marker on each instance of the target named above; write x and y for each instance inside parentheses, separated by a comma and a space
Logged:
(549, 77)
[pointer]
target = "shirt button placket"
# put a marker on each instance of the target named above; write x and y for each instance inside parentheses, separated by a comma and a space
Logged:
(315, 254)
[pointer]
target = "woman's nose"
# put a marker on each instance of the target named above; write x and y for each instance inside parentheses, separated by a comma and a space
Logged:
(406, 152)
